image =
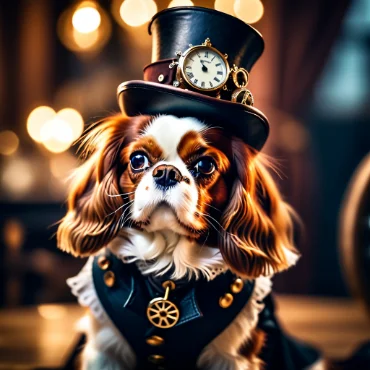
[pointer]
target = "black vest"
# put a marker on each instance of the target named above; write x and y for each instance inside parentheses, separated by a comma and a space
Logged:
(125, 294)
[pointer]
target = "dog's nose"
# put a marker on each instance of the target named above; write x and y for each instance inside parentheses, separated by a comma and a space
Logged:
(166, 176)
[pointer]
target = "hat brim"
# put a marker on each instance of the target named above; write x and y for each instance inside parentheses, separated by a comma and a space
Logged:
(150, 98)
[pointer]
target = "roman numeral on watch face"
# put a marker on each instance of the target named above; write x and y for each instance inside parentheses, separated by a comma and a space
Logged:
(204, 69)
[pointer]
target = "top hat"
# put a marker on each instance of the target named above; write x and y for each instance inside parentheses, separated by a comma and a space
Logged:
(201, 59)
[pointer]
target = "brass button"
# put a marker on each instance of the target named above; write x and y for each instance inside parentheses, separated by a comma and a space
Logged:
(109, 279)
(160, 78)
(237, 286)
(170, 284)
(156, 359)
(103, 262)
(226, 300)
(155, 340)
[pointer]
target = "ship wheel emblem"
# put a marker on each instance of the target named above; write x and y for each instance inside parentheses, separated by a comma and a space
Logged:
(161, 312)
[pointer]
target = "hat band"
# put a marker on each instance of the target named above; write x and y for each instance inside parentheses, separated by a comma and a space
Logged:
(162, 72)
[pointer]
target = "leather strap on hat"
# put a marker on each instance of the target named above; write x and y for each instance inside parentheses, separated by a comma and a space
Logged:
(160, 72)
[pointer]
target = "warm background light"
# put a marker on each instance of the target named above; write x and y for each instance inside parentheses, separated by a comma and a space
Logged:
(85, 41)
(86, 18)
(226, 6)
(56, 131)
(52, 311)
(17, 176)
(74, 120)
(37, 118)
(137, 12)
(174, 3)
(249, 11)
(62, 165)
(85, 27)
(9, 142)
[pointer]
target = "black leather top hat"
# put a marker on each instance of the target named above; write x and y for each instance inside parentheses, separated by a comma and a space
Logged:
(200, 68)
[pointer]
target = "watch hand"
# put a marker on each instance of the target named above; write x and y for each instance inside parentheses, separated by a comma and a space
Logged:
(204, 68)
(204, 61)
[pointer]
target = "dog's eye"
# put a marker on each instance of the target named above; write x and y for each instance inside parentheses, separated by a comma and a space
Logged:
(205, 166)
(139, 161)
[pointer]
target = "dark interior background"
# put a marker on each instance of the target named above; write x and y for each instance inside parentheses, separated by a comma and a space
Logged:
(313, 82)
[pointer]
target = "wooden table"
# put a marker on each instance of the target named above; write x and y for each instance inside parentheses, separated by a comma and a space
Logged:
(43, 336)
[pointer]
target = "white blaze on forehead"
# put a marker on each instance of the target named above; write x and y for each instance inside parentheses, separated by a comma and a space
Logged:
(169, 130)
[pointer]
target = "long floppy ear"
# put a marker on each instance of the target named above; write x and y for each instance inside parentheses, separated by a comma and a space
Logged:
(258, 225)
(94, 203)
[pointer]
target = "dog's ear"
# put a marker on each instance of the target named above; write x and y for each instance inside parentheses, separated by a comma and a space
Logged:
(94, 203)
(258, 225)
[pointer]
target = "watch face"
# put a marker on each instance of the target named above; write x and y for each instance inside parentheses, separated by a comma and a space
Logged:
(205, 68)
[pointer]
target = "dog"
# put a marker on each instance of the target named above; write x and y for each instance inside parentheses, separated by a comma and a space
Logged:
(176, 196)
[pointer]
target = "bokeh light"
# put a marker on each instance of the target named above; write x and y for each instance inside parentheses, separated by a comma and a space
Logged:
(56, 131)
(57, 135)
(52, 311)
(74, 119)
(17, 176)
(36, 120)
(226, 6)
(249, 11)
(137, 12)
(84, 28)
(85, 41)
(14, 234)
(9, 142)
(62, 165)
(86, 18)
(174, 3)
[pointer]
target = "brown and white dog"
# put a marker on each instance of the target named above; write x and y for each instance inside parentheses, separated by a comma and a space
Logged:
(175, 193)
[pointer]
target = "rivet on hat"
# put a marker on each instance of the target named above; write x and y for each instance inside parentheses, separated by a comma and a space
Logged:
(160, 77)
(103, 262)
(155, 340)
(237, 286)
(109, 279)
(156, 359)
(226, 300)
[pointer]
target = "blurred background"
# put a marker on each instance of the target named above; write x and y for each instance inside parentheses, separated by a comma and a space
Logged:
(60, 65)
(61, 62)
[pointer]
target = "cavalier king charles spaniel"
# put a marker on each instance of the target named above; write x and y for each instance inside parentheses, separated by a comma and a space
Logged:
(175, 194)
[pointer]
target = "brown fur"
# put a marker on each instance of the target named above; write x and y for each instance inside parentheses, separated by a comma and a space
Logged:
(92, 221)
(253, 347)
(257, 223)
(240, 196)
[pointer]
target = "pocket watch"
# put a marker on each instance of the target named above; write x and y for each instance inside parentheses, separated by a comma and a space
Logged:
(201, 68)
(205, 69)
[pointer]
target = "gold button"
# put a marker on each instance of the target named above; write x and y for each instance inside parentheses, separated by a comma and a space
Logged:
(160, 78)
(155, 340)
(103, 262)
(156, 359)
(226, 300)
(237, 286)
(109, 279)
